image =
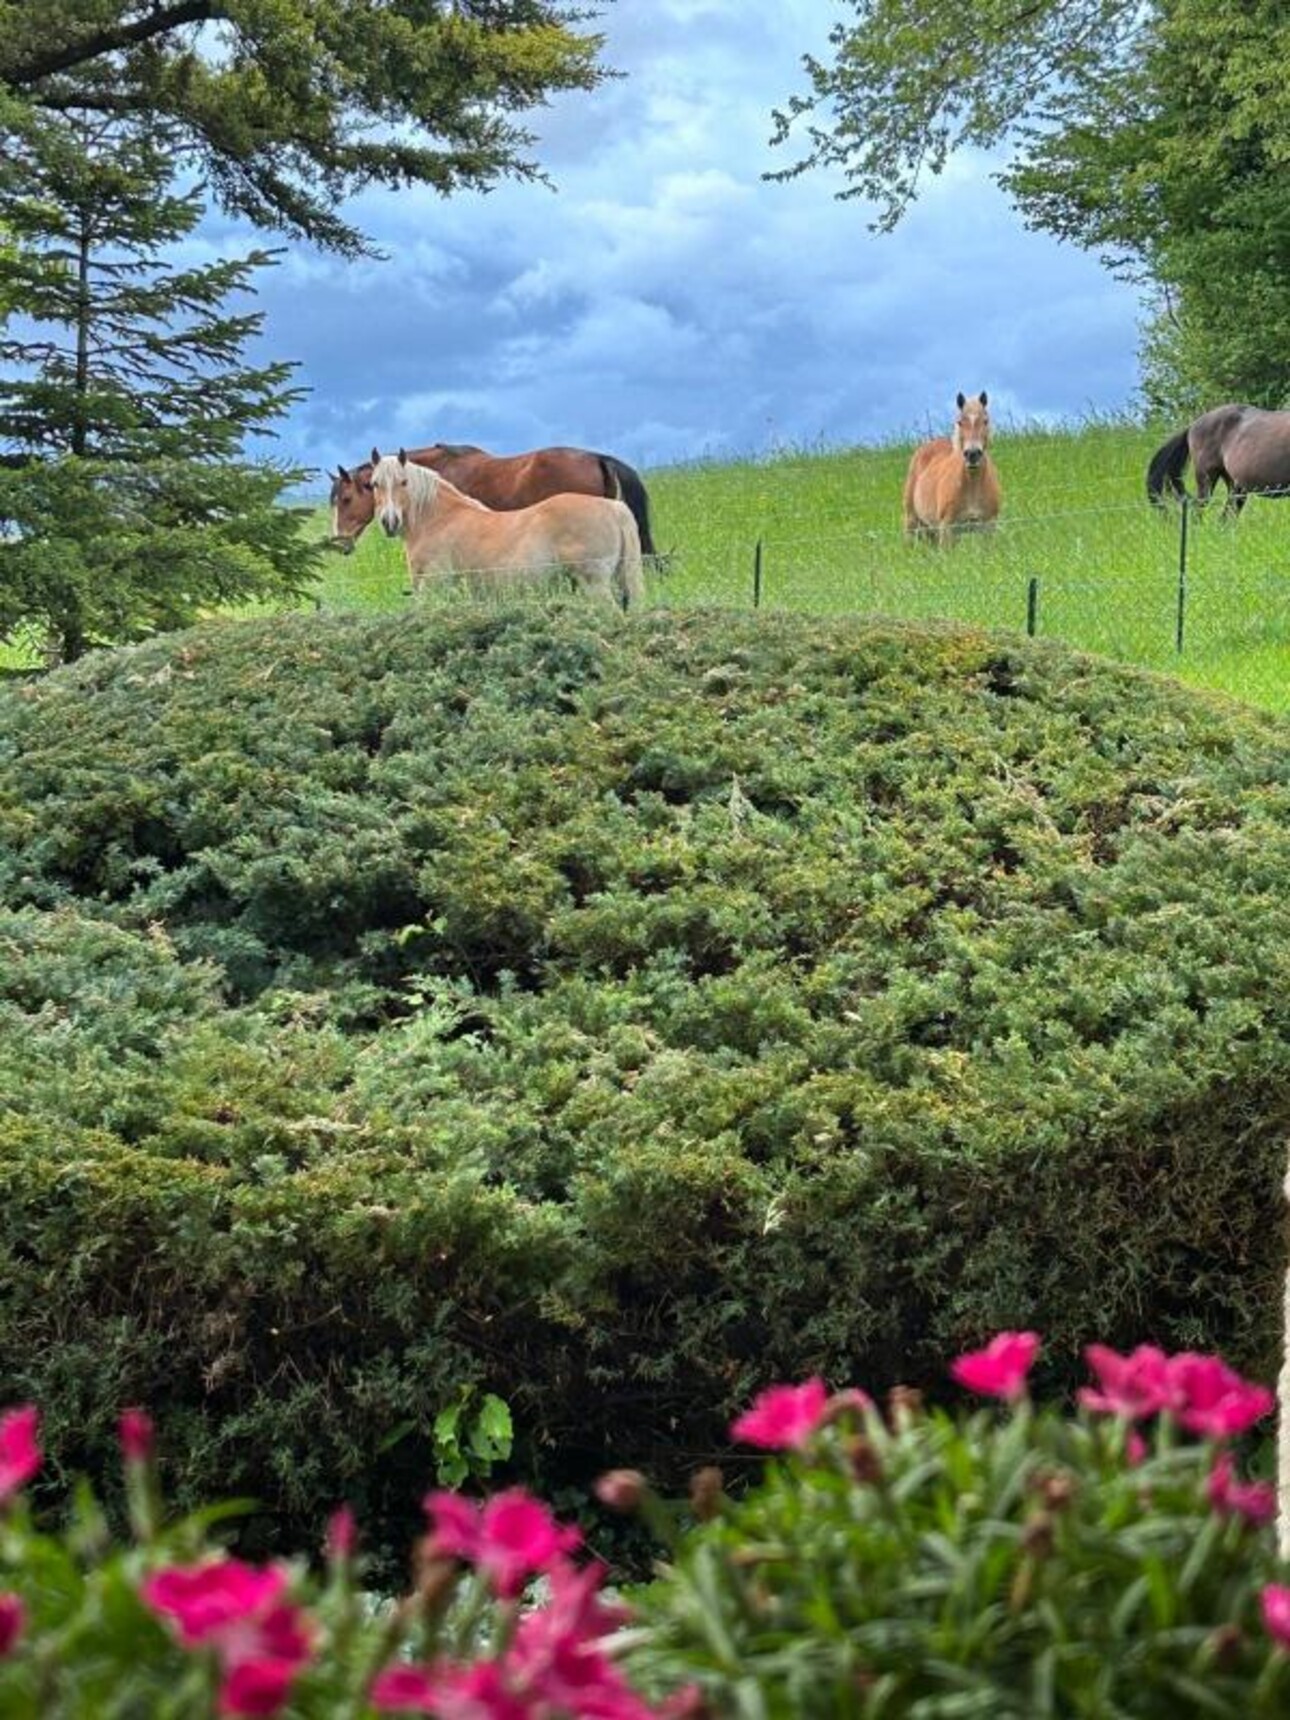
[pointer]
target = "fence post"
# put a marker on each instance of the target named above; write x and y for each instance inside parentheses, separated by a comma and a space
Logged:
(1182, 577)
(757, 576)
(1032, 605)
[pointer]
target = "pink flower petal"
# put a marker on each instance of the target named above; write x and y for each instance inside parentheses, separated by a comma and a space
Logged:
(1211, 1400)
(19, 1449)
(1274, 1602)
(13, 1616)
(1001, 1368)
(782, 1418)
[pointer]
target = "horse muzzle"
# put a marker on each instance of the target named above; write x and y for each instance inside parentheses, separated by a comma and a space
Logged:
(342, 545)
(973, 456)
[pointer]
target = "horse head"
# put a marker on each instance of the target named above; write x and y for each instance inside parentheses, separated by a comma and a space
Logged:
(351, 507)
(389, 487)
(971, 434)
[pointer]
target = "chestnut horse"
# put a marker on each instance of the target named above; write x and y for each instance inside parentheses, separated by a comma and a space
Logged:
(952, 484)
(593, 538)
(1248, 448)
(499, 481)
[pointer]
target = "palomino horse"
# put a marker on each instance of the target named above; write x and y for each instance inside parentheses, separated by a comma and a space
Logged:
(591, 537)
(1248, 448)
(952, 484)
(499, 481)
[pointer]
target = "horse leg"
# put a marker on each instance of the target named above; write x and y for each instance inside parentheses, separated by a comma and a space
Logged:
(913, 525)
(1236, 498)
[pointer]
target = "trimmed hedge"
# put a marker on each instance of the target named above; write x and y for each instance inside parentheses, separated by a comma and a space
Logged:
(613, 1016)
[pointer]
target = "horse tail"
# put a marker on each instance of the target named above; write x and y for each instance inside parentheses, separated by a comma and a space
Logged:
(627, 572)
(627, 487)
(1167, 467)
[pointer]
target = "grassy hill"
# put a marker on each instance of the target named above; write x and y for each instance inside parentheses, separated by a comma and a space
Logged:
(1075, 516)
(612, 1015)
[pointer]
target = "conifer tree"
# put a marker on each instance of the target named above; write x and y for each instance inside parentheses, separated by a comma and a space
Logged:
(125, 397)
(289, 106)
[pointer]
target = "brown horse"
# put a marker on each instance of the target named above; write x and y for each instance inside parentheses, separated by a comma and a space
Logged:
(499, 481)
(1248, 448)
(952, 484)
(593, 538)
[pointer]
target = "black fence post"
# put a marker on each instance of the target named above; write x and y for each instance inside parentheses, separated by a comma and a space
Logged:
(1182, 578)
(757, 576)
(1032, 605)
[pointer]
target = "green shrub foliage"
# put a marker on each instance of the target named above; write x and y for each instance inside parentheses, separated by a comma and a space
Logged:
(611, 1017)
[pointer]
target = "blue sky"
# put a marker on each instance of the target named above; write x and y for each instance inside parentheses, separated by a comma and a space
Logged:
(664, 303)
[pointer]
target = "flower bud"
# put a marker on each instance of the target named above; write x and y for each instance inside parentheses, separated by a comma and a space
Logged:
(1037, 1536)
(1056, 1488)
(1223, 1647)
(342, 1536)
(863, 1457)
(706, 1492)
(620, 1490)
(137, 1434)
(904, 1405)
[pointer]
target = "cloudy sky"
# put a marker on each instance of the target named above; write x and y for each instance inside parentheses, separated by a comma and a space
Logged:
(664, 303)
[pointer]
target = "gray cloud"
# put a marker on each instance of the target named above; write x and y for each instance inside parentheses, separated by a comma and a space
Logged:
(666, 303)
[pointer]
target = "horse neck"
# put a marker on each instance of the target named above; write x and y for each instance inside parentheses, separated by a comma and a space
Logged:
(435, 500)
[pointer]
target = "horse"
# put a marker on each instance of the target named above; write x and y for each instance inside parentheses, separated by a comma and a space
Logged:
(1248, 448)
(499, 481)
(952, 484)
(594, 538)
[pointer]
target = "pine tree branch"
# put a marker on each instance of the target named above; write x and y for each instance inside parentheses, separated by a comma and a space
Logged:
(67, 56)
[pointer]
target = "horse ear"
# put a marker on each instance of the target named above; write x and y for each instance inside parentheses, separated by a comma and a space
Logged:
(342, 475)
(403, 456)
(961, 401)
(985, 398)
(376, 455)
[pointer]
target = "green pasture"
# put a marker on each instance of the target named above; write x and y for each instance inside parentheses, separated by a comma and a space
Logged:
(1075, 519)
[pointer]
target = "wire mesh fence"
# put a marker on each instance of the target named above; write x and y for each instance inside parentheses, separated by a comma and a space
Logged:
(1159, 587)
(1077, 555)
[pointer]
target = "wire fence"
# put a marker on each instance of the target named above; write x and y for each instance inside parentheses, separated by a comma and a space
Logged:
(1181, 588)
(1151, 586)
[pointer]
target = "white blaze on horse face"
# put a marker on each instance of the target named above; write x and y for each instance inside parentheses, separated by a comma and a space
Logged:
(971, 433)
(386, 502)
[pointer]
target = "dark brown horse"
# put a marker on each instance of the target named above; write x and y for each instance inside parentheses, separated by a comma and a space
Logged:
(1248, 448)
(502, 482)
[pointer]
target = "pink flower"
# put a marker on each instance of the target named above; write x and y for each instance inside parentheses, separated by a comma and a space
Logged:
(256, 1687)
(515, 1537)
(13, 1616)
(1208, 1398)
(1135, 1449)
(1001, 1368)
(518, 1538)
(1256, 1501)
(463, 1692)
(454, 1525)
(782, 1418)
(237, 1609)
(137, 1435)
(1275, 1604)
(554, 1665)
(206, 1600)
(1133, 1386)
(342, 1535)
(558, 1654)
(19, 1452)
